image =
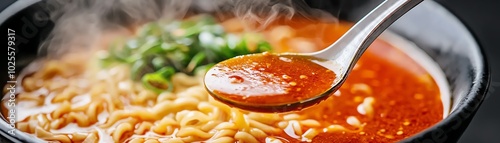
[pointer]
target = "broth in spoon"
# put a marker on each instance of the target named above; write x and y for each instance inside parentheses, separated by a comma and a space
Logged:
(339, 59)
(255, 81)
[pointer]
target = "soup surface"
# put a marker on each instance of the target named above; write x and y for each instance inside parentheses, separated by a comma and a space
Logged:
(269, 79)
(383, 100)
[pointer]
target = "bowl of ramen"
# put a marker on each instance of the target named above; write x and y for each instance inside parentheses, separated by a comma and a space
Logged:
(420, 81)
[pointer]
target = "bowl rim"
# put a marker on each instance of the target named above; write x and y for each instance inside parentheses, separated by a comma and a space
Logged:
(471, 102)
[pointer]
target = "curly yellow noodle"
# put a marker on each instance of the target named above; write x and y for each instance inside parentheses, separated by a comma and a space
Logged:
(160, 128)
(171, 130)
(258, 133)
(23, 126)
(177, 105)
(97, 90)
(190, 139)
(114, 108)
(144, 96)
(121, 130)
(57, 123)
(239, 120)
(209, 125)
(310, 123)
(245, 137)
(126, 87)
(43, 121)
(226, 125)
(151, 141)
(184, 80)
(66, 95)
(41, 133)
(296, 127)
(30, 84)
(143, 128)
(193, 132)
(93, 112)
(222, 106)
(272, 140)
(29, 96)
(193, 118)
(265, 118)
(291, 117)
(63, 109)
(113, 93)
(108, 100)
(79, 137)
(194, 91)
(137, 140)
(165, 96)
(55, 85)
(222, 140)
(223, 133)
(263, 127)
(91, 138)
(310, 134)
(81, 108)
(78, 118)
(175, 140)
(206, 107)
(282, 124)
(32, 125)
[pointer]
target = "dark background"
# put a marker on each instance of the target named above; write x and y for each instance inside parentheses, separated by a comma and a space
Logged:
(483, 19)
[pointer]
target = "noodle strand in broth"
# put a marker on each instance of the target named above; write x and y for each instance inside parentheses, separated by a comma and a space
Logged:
(68, 101)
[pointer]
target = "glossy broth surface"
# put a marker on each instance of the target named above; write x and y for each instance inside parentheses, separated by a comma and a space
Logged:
(381, 101)
(387, 97)
(269, 79)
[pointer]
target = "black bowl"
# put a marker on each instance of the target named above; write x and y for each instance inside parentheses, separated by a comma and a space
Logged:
(430, 26)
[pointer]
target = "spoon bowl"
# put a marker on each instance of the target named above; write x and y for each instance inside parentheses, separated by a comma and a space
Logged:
(270, 82)
(340, 57)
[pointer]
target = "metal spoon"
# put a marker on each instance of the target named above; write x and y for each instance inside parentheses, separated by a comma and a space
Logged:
(341, 56)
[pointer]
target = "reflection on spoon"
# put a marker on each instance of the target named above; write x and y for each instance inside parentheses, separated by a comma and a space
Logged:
(260, 82)
(271, 82)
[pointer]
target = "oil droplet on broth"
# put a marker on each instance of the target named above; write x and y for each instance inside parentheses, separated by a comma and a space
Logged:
(236, 79)
(290, 82)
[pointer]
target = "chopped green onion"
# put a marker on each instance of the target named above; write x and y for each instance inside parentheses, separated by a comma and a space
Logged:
(166, 72)
(196, 60)
(157, 82)
(158, 62)
(189, 46)
(137, 69)
(204, 68)
(264, 46)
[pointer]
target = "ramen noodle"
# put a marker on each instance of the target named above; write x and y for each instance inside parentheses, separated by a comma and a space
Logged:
(382, 101)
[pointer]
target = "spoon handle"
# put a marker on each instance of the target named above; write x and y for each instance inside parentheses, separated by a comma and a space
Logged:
(349, 48)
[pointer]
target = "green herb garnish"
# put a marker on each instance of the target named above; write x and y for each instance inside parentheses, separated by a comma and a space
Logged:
(187, 46)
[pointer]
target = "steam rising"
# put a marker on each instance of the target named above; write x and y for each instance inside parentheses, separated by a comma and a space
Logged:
(81, 23)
